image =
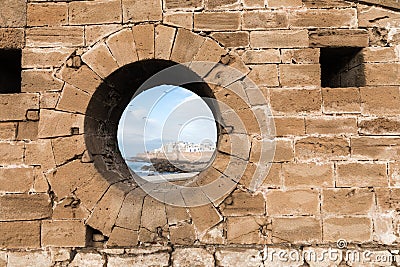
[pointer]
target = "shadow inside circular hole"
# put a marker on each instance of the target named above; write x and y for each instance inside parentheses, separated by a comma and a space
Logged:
(111, 99)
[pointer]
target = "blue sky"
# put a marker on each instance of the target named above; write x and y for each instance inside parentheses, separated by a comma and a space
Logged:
(167, 113)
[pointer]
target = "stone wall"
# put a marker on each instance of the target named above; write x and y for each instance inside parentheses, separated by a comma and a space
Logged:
(67, 198)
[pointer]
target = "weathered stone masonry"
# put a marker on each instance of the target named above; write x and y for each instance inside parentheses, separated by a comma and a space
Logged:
(67, 197)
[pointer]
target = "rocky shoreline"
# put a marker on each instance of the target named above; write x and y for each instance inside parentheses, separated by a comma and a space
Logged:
(164, 165)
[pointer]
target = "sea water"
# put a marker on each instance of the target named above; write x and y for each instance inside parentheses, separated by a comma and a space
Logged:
(136, 166)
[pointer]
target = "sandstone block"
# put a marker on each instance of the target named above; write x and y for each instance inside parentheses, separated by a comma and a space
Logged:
(177, 215)
(284, 3)
(241, 203)
(362, 175)
(264, 75)
(222, 4)
(20, 234)
(8, 130)
(329, 148)
(296, 230)
(308, 175)
(261, 56)
(237, 145)
(63, 233)
(13, 13)
(347, 201)
(95, 33)
(261, 20)
(232, 39)
(373, 74)
(228, 257)
(253, 3)
(323, 18)
(27, 130)
(300, 56)
(71, 176)
(100, 60)
(123, 47)
(66, 148)
(182, 4)
(186, 46)
(331, 125)
(387, 199)
(273, 178)
(121, 237)
(83, 78)
(327, 3)
(64, 124)
(142, 260)
(47, 14)
(300, 75)
(217, 21)
(90, 192)
(49, 100)
(32, 115)
(106, 211)
(152, 207)
(164, 40)
(91, 259)
(3, 259)
(371, 16)
(379, 54)
(285, 126)
(131, 210)
(55, 36)
(73, 100)
(264, 150)
(40, 153)
(293, 202)
(372, 148)
(248, 230)
(339, 38)
(283, 151)
(16, 180)
(177, 19)
(279, 39)
(341, 100)
(69, 208)
(192, 257)
(12, 38)
(295, 101)
(30, 258)
(39, 81)
(382, 100)
(135, 11)
(379, 126)
(355, 229)
(89, 12)
(21, 103)
(182, 234)
(394, 174)
(210, 51)
(11, 153)
(24, 207)
(204, 217)
(144, 40)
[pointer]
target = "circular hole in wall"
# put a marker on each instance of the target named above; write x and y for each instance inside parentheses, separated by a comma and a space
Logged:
(167, 133)
(112, 99)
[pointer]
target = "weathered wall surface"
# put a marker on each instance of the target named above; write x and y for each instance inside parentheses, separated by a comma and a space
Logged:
(335, 174)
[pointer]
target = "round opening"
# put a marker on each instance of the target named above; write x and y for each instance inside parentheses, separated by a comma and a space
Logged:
(167, 133)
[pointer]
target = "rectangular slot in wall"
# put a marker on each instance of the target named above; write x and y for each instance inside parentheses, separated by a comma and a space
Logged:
(10, 71)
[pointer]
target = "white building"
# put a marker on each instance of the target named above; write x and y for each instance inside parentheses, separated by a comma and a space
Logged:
(185, 147)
